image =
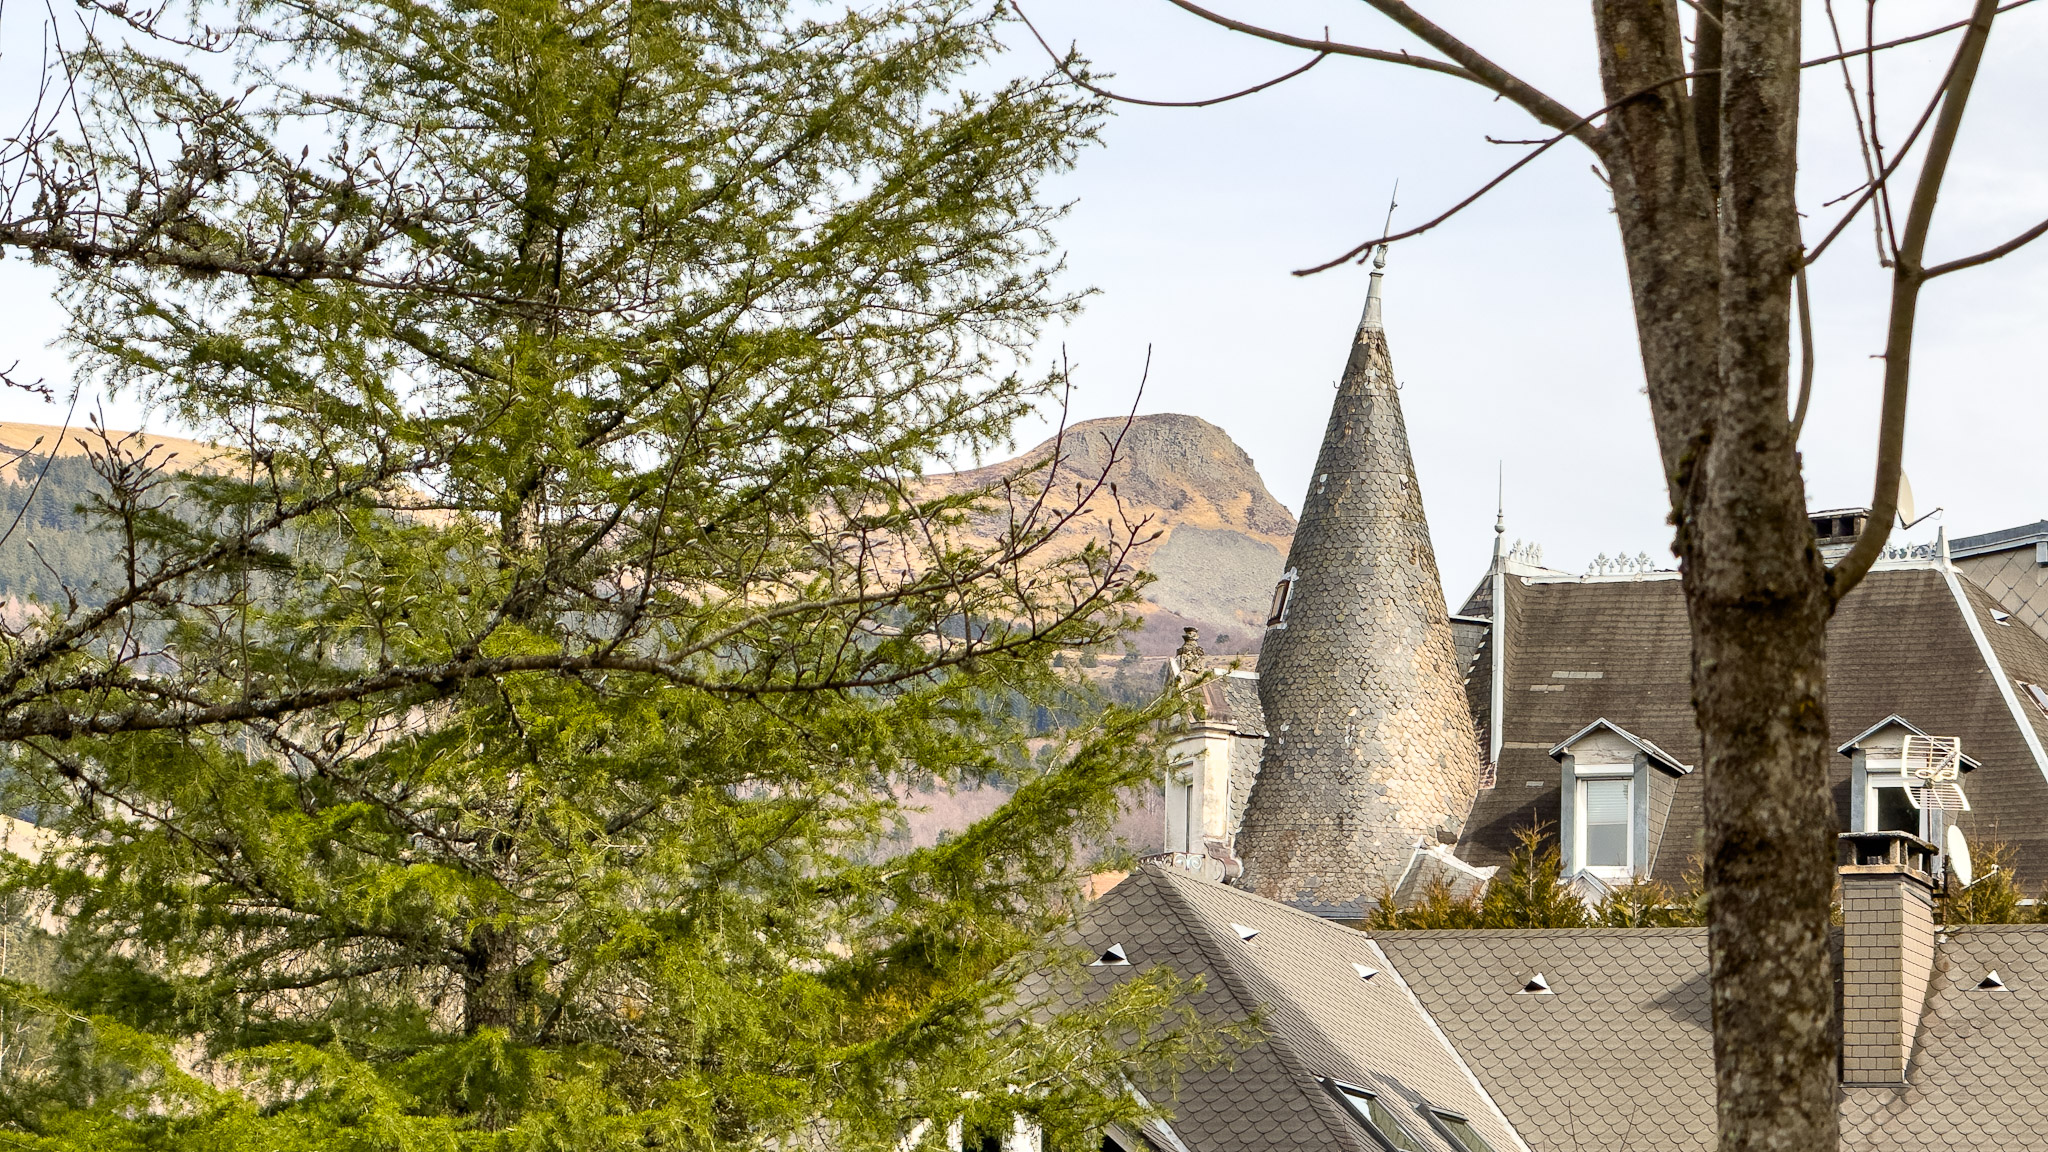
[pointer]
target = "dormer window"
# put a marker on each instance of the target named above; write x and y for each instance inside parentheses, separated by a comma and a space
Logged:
(1616, 792)
(1454, 1127)
(1887, 794)
(1277, 618)
(1889, 806)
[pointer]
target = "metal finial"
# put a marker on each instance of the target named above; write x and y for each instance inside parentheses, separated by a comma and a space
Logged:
(1370, 322)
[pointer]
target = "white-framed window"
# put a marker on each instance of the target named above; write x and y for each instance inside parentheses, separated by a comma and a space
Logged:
(1888, 807)
(1182, 819)
(1606, 826)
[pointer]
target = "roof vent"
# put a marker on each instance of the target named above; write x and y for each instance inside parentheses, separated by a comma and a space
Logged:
(1365, 973)
(1991, 982)
(1114, 954)
(1538, 985)
(1244, 931)
(2004, 618)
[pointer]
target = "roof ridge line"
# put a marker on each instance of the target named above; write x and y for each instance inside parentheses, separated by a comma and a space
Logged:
(1444, 1039)
(1239, 985)
(1997, 669)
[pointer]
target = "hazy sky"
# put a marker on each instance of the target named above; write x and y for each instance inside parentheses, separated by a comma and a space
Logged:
(1510, 325)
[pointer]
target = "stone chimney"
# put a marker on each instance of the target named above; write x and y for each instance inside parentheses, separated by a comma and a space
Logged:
(1887, 952)
(1371, 744)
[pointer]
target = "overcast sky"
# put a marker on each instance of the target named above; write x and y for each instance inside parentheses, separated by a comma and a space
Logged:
(1510, 325)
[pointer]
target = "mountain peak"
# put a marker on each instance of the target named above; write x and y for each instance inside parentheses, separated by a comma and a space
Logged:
(1222, 534)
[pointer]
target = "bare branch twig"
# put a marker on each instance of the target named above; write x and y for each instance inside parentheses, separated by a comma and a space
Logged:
(1805, 353)
(1988, 255)
(1332, 47)
(1907, 278)
(1065, 65)
(1569, 133)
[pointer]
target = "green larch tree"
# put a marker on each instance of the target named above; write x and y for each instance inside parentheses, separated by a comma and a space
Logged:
(500, 744)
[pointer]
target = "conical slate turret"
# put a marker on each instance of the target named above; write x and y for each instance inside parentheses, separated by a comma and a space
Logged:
(1371, 745)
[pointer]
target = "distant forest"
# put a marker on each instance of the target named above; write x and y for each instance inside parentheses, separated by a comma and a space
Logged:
(51, 545)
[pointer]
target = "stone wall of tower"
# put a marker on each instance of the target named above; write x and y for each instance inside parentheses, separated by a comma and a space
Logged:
(1370, 745)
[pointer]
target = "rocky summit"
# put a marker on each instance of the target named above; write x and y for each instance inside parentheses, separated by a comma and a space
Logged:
(1220, 538)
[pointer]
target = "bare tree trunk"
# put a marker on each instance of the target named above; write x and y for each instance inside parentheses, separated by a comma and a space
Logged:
(1759, 605)
(1712, 292)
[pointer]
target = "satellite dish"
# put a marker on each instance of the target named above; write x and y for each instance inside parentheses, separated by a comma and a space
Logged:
(1906, 509)
(1959, 856)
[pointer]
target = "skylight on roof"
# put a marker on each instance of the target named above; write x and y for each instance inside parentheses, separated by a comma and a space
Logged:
(2038, 695)
(1373, 1114)
(1454, 1127)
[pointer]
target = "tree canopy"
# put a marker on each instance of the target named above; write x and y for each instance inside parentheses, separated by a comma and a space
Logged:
(503, 743)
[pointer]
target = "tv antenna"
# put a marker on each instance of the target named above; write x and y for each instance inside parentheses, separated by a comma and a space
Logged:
(1932, 765)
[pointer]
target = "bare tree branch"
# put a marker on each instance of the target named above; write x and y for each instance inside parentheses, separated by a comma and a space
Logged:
(1875, 189)
(1915, 38)
(1065, 65)
(1490, 185)
(1870, 175)
(1988, 255)
(1805, 353)
(1525, 95)
(1327, 45)
(1907, 278)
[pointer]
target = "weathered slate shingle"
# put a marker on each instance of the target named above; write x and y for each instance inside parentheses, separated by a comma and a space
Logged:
(1618, 1058)
(1371, 742)
(1899, 645)
(1299, 977)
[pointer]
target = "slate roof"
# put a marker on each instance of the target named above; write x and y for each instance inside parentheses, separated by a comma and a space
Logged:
(1361, 669)
(1900, 644)
(1619, 1056)
(1976, 1077)
(2003, 538)
(1231, 701)
(1319, 1018)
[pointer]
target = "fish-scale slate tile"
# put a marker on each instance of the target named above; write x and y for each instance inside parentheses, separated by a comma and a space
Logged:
(1618, 1056)
(1370, 736)
(1320, 1019)
(1978, 1070)
(1257, 1103)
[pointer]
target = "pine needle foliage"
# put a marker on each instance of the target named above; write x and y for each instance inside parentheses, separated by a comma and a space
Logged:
(1646, 904)
(1437, 908)
(1995, 898)
(499, 747)
(1530, 892)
